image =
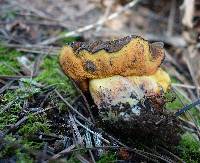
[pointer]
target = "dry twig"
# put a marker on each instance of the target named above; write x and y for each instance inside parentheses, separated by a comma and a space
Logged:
(90, 26)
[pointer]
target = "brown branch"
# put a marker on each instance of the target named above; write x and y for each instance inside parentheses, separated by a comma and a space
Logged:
(72, 108)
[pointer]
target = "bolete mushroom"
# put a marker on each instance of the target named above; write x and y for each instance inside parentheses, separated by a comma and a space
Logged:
(117, 71)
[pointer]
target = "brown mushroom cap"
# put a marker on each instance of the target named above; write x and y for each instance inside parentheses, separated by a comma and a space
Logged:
(128, 56)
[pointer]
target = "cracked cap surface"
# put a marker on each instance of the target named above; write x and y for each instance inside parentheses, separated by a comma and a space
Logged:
(128, 56)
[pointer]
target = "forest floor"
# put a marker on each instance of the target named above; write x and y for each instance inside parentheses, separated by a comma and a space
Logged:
(44, 117)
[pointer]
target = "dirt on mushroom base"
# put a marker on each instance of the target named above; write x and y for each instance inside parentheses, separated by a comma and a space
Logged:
(151, 126)
(136, 108)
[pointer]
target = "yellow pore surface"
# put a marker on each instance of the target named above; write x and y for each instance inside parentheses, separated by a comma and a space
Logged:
(153, 84)
(135, 58)
(158, 82)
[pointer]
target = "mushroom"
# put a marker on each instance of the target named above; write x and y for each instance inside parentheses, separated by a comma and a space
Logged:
(117, 72)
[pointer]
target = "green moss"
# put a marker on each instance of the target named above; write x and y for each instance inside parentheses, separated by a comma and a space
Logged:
(20, 146)
(14, 101)
(174, 102)
(7, 119)
(30, 144)
(14, 147)
(189, 148)
(174, 79)
(108, 157)
(67, 39)
(34, 125)
(52, 75)
(9, 147)
(73, 159)
(10, 115)
(8, 15)
(23, 157)
(8, 58)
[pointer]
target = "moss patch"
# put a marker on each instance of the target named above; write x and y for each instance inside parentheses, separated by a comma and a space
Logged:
(51, 75)
(12, 147)
(189, 148)
(174, 102)
(8, 58)
(28, 90)
(108, 157)
(66, 40)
